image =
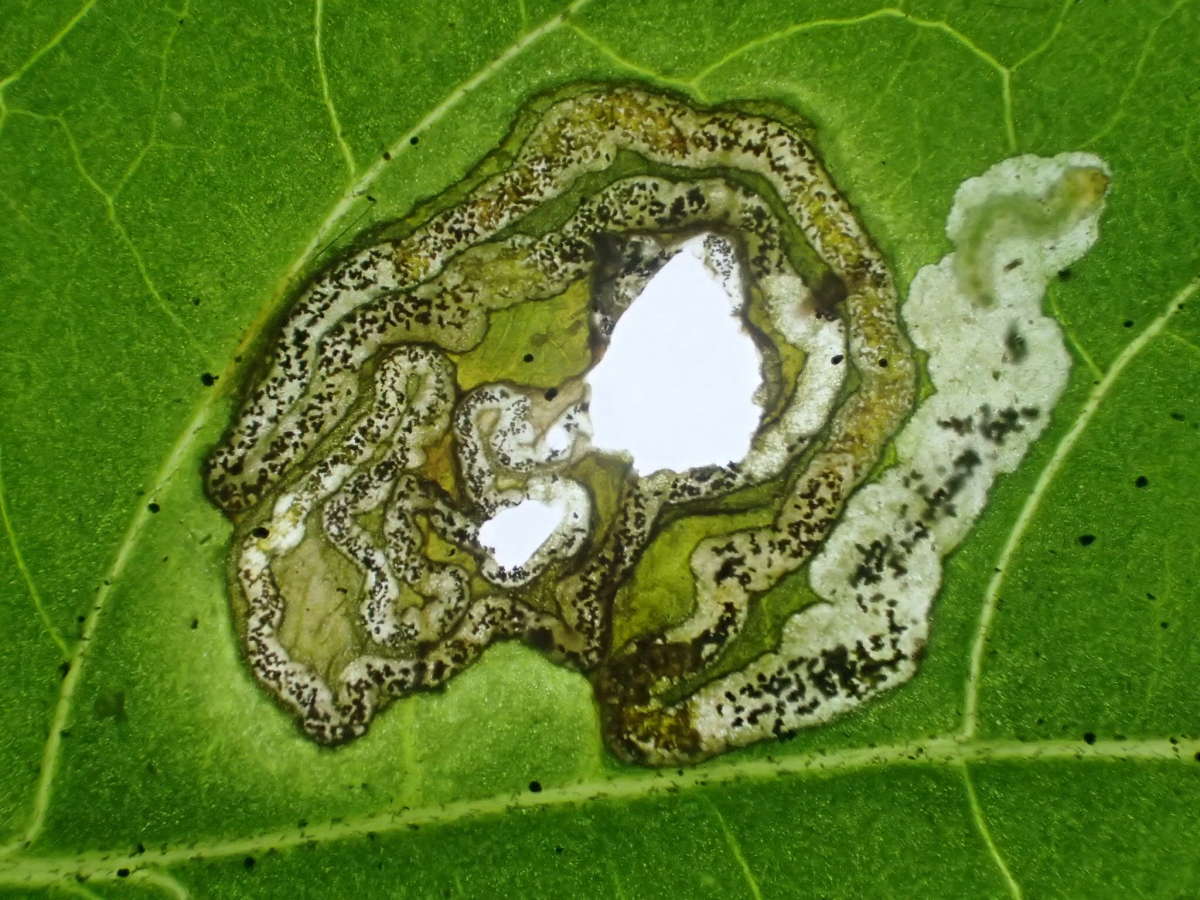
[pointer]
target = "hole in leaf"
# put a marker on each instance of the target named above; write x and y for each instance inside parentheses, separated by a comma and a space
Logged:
(676, 386)
(515, 534)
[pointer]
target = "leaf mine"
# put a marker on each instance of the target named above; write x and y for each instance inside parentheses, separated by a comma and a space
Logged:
(425, 385)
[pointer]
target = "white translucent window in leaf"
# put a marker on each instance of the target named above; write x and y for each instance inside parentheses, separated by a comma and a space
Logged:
(515, 534)
(676, 386)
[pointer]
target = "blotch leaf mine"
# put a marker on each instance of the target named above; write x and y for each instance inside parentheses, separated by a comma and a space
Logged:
(171, 179)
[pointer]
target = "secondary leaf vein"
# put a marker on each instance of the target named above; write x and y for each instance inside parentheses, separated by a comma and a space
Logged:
(735, 848)
(1014, 889)
(56, 39)
(26, 576)
(1119, 107)
(626, 63)
(110, 212)
(888, 12)
(326, 93)
(1033, 503)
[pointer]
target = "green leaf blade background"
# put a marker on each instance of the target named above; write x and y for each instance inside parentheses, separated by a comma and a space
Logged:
(168, 174)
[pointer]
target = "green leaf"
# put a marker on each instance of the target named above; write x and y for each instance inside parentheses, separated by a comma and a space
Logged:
(169, 175)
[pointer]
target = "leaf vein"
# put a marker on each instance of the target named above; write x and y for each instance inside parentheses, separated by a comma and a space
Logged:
(110, 211)
(1033, 502)
(888, 12)
(735, 848)
(1049, 39)
(56, 39)
(1074, 341)
(624, 62)
(174, 461)
(152, 138)
(985, 833)
(26, 576)
(326, 92)
(169, 883)
(1191, 345)
(1119, 107)
(934, 752)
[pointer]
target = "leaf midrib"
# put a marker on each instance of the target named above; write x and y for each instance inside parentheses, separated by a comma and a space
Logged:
(940, 751)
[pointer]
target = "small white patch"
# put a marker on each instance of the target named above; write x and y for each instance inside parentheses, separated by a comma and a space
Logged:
(558, 438)
(676, 386)
(514, 534)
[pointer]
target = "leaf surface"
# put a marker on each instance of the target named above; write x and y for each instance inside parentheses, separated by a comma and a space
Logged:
(169, 174)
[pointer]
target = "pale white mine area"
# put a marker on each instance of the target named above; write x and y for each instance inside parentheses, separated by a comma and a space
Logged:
(968, 320)
(675, 389)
